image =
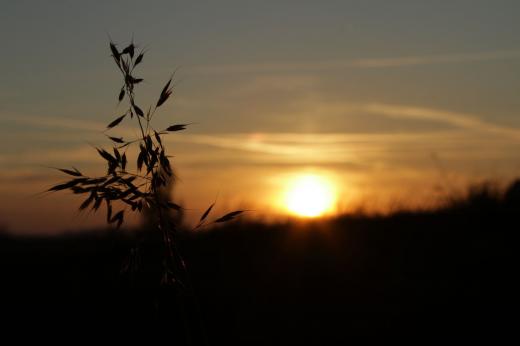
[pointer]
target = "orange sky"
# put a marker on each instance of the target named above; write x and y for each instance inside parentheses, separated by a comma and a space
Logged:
(396, 105)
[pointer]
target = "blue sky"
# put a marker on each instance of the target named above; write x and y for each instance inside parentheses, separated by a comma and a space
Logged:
(364, 91)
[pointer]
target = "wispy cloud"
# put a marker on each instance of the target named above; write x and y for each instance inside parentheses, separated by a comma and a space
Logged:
(388, 62)
(469, 131)
(264, 148)
(437, 59)
(460, 120)
(53, 122)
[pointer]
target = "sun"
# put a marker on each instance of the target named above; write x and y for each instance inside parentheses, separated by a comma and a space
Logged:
(310, 196)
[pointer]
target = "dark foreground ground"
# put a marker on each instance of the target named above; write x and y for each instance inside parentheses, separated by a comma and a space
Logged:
(433, 273)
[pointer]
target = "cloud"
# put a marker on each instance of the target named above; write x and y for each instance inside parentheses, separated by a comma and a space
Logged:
(437, 59)
(460, 120)
(275, 148)
(57, 125)
(263, 148)
(403, 61)
(53, 122)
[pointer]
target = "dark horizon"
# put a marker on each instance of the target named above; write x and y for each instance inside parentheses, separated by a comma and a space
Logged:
(429, 274)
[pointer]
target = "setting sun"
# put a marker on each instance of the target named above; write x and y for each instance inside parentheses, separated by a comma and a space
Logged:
(310, 196)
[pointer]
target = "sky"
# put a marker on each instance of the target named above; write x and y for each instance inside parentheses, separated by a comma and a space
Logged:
(396, 103)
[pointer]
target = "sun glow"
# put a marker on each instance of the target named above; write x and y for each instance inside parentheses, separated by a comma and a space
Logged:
(310, 196)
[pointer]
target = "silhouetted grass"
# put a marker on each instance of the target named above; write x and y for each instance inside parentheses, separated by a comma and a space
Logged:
(146, 187)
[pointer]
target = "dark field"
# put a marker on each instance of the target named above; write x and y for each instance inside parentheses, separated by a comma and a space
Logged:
(435, 272)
